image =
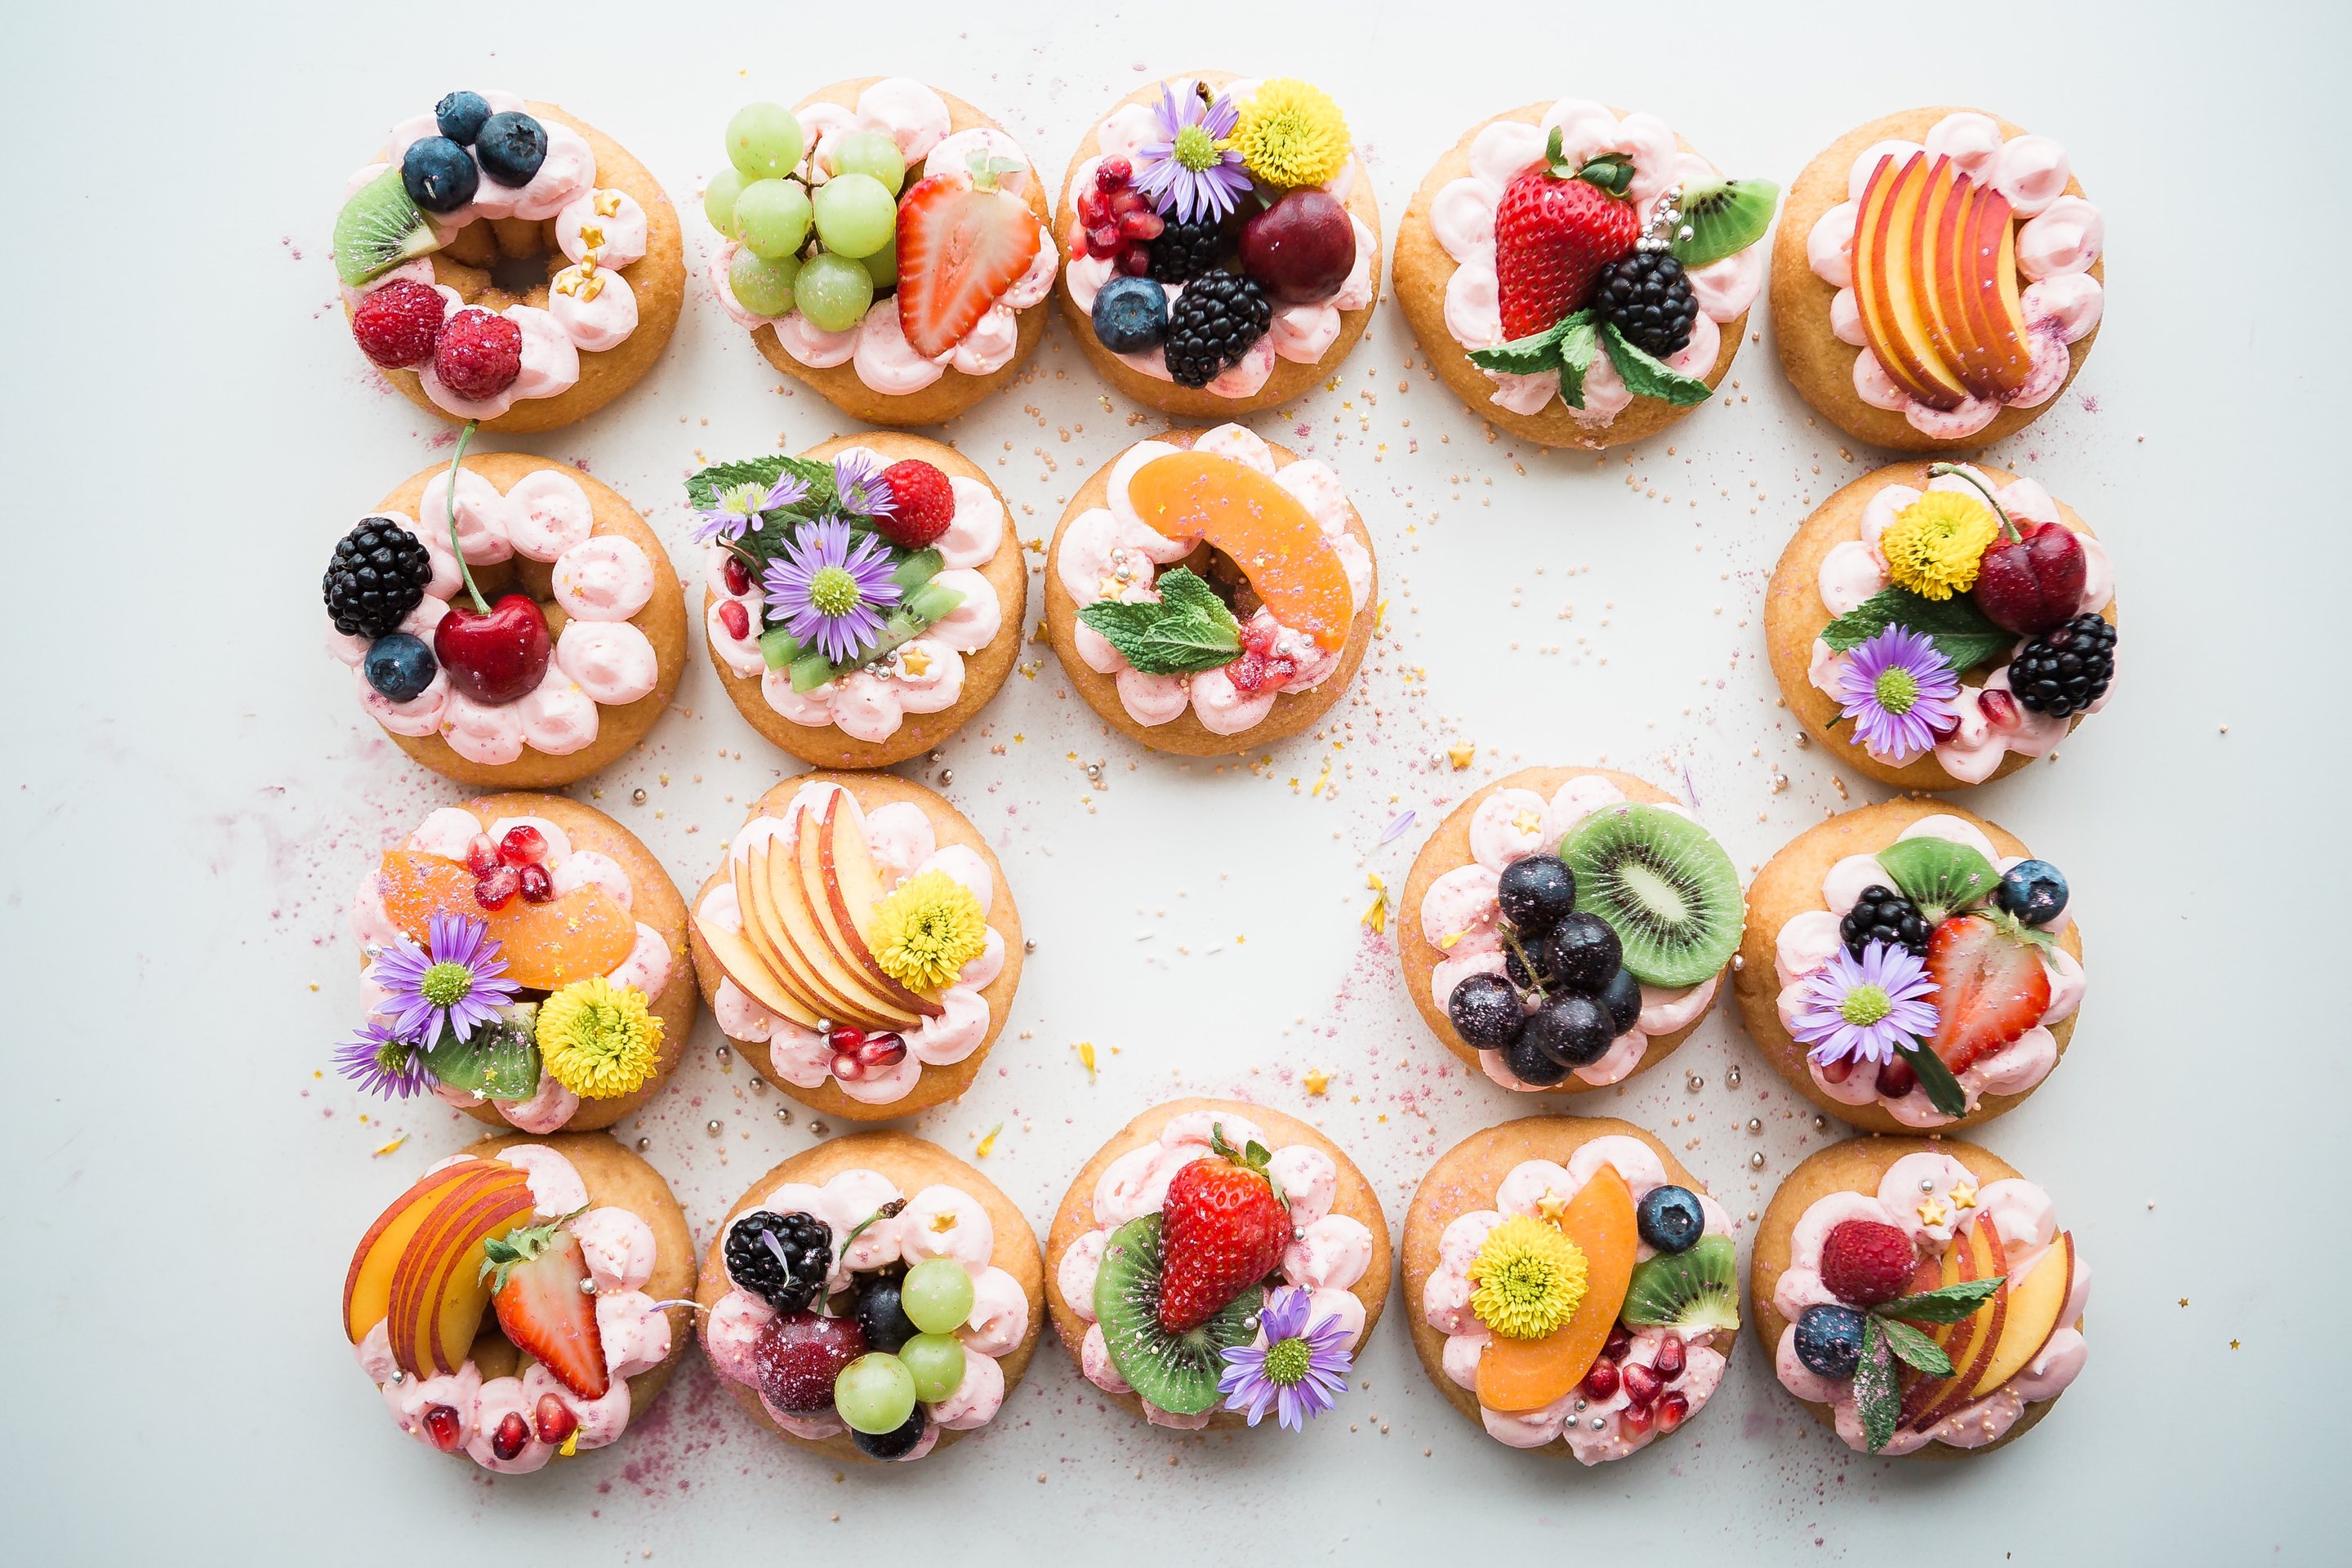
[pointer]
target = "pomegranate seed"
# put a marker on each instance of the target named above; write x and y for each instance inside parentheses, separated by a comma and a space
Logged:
(1671, 1411)
(737, 575)
(1618, 1342)
(1601, 1381)
(512, 1433)
(537, 885)
(1642, 1385)
(494, 890)
(1103, 238)
(845, 1039)
(1633, 1420)
(523, 845)
(1142, 225)
(2000, 708)
(556, 1422)
(1896, 1079)
(1669, 1364)
(1094, 207)
(1135, 261)
(1837, 1071)
(846, 1067)
(481, 855)
(878, 1051)
(735, 618)
(441, 1425)
(1129, 200)
(1113, 173)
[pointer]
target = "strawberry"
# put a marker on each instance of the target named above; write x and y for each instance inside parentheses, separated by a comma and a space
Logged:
(1554, 228)
(962, 243)
(1989, 989)
(922, 504)
(539, 1284)
(1224, 1229)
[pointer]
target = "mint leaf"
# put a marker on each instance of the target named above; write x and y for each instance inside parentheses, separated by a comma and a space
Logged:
(702, 488)
(1916, 1349)
(1876, 1399)
(498, 1061)
(1189, 630)
(1941, 877)
(1530, 355)
(1944, 1091)
(1646, 375)
(1957, 628)
(1739, 225)
(1944, 1304)
(1580, 345)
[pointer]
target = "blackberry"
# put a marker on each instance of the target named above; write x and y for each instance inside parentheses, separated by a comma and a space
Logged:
(1211, 324)
(782, 1259)
(378, 575)
(1185, 251)
(2066, 668)
(1648, 296)
(1882, 914)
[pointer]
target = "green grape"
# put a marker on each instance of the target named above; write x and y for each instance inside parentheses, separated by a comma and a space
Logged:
(761, 286)
(773, 217)
(936, 1363)
(855, 215)
(833, 292)
(763, 139)
(937, 1295)
(871, 153)
(883, 265)
(875, 1394)
(718, 201)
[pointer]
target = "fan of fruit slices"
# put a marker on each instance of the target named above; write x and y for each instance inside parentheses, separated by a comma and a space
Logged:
(1280, 579)
(1932, 1311)
(511, 1236)
(1589, 1304)
(1967, 940)
(830, 243)
(854, 945)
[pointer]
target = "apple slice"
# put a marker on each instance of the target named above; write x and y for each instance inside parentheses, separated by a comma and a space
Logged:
(1527, 1374)
(367, 1286)
(845, 874)
(741, 963)
(792, 886)
(2034, 1302)
(1971, 1346)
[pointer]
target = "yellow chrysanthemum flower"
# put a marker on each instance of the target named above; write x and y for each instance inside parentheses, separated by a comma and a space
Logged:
(1527, 1279)
(927, 930)
(1292, 134)
(1935, 545)
(598, 1039)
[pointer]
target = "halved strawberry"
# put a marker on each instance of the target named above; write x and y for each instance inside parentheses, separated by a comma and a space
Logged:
(1989, 989)
(540, 1285)
(961, 244)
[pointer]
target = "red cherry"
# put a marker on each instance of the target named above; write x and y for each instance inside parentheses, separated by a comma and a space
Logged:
(1671, 1411)
(481, 855)
(1642, 1385)
(1669, 1364)
(512, 1433)
(797, 1356)
(2033, 581)
(555, 1420)
(1134, 260)
(2000, 708)
(738, 575)
(498, 658)
(523, 845)
(441, 1425)
(1601, 1381)
(1896, 1078)
(735, 618)
(1302, 248)
(496, 890)
(535, 885)
(1113, 173)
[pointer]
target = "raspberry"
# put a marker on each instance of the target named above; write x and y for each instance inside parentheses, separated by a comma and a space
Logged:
(396, 325)
(1866, 1261)
(922, 504)
(480, 354)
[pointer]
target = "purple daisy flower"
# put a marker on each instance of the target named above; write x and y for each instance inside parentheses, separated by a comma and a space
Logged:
(858, 483)
(381, 1061)
(829, 592)
(738, 509)
(1301, 1370)
(1860, 1009)
(1899, 690)
(458, 980)
(1190, 173)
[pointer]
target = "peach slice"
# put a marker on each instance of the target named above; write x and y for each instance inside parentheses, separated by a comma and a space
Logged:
(1272, 538)
(367, 1287)
(1969, 1344)
(584, 934)
(436, 1300)
(2034, 1303)
(1527, 1374)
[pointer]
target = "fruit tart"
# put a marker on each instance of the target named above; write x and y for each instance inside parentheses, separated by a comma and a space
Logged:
(1924, 970)
(1567, 927)
(859, 947)
(884, 243)
(1216, 1262)
(1937, 280)
(1936, 624)
(1225, 243)
(861, 601)
(872, 1298)
(1578, 277)
(518, 629)
(519, 1304)
(525, 962)
(503, 262)
(1571, 1285)
(1918, 1296)
(1209, 592)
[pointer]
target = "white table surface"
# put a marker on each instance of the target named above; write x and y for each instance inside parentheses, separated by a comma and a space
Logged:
(190, 793)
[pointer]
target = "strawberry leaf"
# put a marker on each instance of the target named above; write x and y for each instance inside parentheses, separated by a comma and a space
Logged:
(1876, 1399)
(1944, 1091)
(1944, 1304)
(1646, 375)
(1189, 630)
(1957, 628)
(1941, 877)
(2016, 930)
(1916, 1349)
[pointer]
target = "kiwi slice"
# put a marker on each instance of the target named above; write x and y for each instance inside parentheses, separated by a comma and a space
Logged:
(1724, 217)
(378, 229)
(1686, 1291)
(1666, 885)
(1176, 1371)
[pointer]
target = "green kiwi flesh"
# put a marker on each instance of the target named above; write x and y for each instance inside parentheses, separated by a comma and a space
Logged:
(1686, 1291)
(1177, 1372)
(1725, 218)
(378, 229)
(1666, 886)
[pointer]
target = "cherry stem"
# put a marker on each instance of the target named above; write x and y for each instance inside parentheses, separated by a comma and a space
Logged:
(457, 461)
(1937, 470)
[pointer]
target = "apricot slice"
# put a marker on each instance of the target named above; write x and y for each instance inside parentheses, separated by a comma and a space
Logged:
(1272, 538)
(1517, 1375)
(581, 934)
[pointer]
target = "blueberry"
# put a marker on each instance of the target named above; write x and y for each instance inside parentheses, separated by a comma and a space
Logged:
(2033, 891)
(1485, 1011)
(1828, 1340)
(1537, 892)
(1530, 1065)
(1622, 997)
(1669, 1219)
(1583, 952)
(439, 174)
(883, 1316)
(461, 114)
(399, 665)
(1572, 1029)
(511, 147)
(1131, 315)
(891, 1445)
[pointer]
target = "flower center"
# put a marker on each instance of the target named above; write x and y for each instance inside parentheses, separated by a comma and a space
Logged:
(1529, 1279)
(1286, 1362)
(742, 500)
(1865, 1006)
(1896, 689)
(833, 591)
(446, 984)
(1195, 149)
(391, 1056)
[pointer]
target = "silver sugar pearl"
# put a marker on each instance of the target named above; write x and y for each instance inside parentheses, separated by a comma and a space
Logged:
(643, 1144)
(1821, 1123)
(938, 757)
(1029, 944)
(784, 1114)
(1731, 1078)
(759, 1085)
(722, 1052)
(1755, 1124)
(946, 776)
(714, 1127)
(1739, 962)
(1756, 1160)
(819, 1130)
(638, 795)
(1580, 1406)
(1600, 1424)
(1927, 1184)
(1694, 1083)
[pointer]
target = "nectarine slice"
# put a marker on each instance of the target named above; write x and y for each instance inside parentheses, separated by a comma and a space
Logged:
(367, 1286)
(2034, 1303)
(1272, 538)
(582, 934)
(1527, 1374)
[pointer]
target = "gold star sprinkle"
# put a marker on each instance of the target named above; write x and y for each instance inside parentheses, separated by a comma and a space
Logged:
(945, 1220)
(1528, 823)
(1551, 1205)
(1317, 1082)
(591, 236)
(606, 203)
(1932, 1212)
(1463, 755)
(1963, 1195)
(915, 661)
